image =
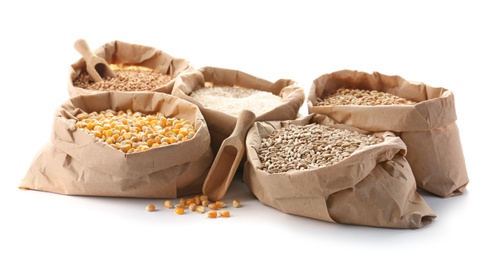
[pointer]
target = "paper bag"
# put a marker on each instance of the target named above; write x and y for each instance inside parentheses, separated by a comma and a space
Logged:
(127, 54)
(75, 163)
(374, 186)
(221, 124)
(428, 128)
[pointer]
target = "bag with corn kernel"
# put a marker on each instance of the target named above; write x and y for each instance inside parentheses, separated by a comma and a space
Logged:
(372, 185)
(88, 153)
(428, 126)
(127, 57)
(287, 95)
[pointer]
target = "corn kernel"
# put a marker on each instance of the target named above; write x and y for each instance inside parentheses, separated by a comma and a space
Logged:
(236, 204)
(213, 206)
(224, 213)
(179, 211)
(211, 214)
(151, 207)
(203, 197)
(189, 201)
(200, 209)
(168, 204)
(192, 206)
(220, 204)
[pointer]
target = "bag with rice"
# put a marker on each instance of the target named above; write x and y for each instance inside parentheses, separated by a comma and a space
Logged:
(222, 93)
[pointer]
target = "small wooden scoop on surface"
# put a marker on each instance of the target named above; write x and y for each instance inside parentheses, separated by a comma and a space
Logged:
(228, 158)
(96, 67)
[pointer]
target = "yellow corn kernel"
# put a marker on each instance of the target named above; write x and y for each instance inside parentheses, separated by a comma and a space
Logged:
(90, 126)
(183, 131)
(203, 197)
(116, 136)
(108, 133)
(179, 211)
(97, 134)
(192, 207)
(189, 201)
(125, 147)
(236, 204)
(110, 140)
(150, 207)
(200, 209)
(173, 140)
(180, 205)
(196, 199)
(205, 203)
(220, 204)
(224, 213)
(213, 206)
(211, 214)
(168, 204)
(81, 116)
(98, 128)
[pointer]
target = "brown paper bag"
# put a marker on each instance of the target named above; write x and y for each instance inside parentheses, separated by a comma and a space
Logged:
(374, 186)
(122, 53)
(75, 163)
(428, 128)
(220, 124)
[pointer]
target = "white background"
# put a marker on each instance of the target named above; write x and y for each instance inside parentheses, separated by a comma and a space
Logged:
(441, 43)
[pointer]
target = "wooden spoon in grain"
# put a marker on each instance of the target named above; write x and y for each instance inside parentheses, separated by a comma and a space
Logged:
(96, 67)
(228, 158)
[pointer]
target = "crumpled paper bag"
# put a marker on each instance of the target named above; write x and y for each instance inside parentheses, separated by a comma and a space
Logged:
(128, 54)
(75, 163)
(428, 128)
(375, 186)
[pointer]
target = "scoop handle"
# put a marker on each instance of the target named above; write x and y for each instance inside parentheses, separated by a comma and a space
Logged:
(95, 66)
(244, 121)
(83, 48)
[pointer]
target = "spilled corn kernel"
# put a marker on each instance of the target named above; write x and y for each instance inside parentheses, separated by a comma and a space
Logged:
(236, 204)
(168, 204)
(151, 207)
(211, 214)
(224, 213)
(179, 211)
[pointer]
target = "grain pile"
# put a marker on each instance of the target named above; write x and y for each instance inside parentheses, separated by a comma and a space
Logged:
(231, 100)
(131, 132)
(345, 96)
(129, 78)
(296, 147)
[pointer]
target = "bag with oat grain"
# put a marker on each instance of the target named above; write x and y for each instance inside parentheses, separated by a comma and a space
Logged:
(316, 168)
(426, 124)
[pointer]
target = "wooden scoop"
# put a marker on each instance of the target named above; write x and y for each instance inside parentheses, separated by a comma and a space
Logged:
(228, 158)
(96, 67)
